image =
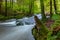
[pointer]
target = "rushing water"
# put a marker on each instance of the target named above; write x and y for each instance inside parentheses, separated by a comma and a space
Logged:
(10, 31)
(16, 33)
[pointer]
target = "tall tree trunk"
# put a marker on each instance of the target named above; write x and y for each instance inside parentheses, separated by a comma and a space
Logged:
(0, 6)
(31, 7)
(11, 7)
(12, 3)
(5, 8)
(42, 10)
(55, 6)
(51, 9)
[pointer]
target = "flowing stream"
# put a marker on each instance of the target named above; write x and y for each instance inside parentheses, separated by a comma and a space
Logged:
(16, 33)
(9, 30)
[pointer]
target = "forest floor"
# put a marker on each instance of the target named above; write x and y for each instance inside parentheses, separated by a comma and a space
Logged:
(55, 24)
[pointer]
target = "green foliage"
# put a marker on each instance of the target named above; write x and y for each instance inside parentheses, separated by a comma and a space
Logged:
(49, 35)
(56, 17)
(40, 31)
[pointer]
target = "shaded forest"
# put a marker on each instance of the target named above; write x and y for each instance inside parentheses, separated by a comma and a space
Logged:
(46, 28)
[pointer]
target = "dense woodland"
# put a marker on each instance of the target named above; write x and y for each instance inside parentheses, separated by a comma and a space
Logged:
(45, 29)
(20, 8)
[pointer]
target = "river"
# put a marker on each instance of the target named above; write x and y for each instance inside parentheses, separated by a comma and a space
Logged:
(16, 33)
(10, 31)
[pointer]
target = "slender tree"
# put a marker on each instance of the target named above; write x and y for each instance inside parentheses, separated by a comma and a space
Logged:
(51, 9)
(31, 5)
(12, 3)
(0, 6)
(11, 6)
(5, 8)
(55, 6)
(42, 10)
